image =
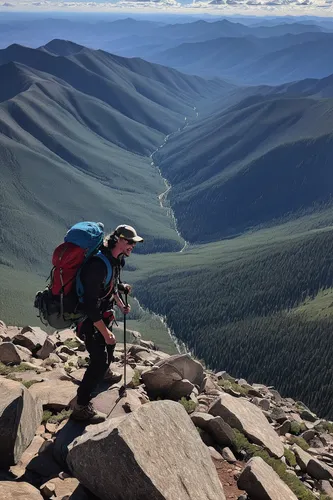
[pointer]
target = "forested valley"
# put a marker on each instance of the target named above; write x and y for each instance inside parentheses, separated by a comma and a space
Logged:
(241, 316)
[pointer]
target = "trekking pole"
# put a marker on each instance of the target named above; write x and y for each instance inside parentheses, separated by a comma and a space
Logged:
(122, 390)
(125, 348)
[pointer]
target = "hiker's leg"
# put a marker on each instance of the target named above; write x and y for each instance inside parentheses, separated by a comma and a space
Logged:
(108, 317)
(110, 376)
(99, 363)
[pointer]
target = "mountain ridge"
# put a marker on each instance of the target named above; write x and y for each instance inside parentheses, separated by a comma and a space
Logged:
(70, 137)
(225, 150)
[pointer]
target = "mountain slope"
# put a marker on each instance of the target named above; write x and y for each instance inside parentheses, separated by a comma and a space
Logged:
(309, 87)
(75, 144)
(260, 160)
(119, 94)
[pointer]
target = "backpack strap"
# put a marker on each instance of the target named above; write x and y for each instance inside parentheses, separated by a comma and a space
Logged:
(79, 284)
(108, 267)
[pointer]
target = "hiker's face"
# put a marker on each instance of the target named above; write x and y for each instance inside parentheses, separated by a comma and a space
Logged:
(126, 246)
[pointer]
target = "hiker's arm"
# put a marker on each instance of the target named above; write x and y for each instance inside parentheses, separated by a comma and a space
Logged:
(107, 334)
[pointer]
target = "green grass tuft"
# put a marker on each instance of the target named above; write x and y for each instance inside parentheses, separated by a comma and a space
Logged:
(72, 343)
(136, 378)
(56, 418)
(229, 384)
(300, 442)
(296, 428)
(8, 369)
(188, 404)
(82, 362)
(59, 417)
(241, 442)
(46, 415)
(290, 457)
(29, 383)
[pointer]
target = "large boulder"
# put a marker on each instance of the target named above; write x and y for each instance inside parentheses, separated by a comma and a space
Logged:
(155, 452)
(109, 402)
(166, 374)
(13, 490)
(28, 455)
(62, 488)
(61, 337)
(64, 437)
(54, 394)
(249, 419)
(81, 493)
(20, 415)
(11, 354)
(49, 346)
(9, 332)
(31, 338)
(144, 354)
(44, 464)
(261, 482)
(314, 467)
(221, 431)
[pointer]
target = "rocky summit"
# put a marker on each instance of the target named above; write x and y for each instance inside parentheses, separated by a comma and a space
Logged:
(180, 431)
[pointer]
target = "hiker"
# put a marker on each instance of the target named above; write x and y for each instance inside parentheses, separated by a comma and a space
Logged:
(95, 329)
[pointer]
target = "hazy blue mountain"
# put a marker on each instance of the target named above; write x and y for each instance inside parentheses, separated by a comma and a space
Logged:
(305, 60)
(254, 60)
(136, 37)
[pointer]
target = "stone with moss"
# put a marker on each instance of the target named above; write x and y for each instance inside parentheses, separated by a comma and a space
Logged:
(294, 483)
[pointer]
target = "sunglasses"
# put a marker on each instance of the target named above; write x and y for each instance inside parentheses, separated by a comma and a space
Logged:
(131, 242)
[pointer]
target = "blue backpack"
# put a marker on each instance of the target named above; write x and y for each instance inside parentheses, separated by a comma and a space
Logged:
(82, 241)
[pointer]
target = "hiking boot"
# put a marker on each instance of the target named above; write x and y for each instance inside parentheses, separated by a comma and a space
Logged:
(86, 413)
(112, 377)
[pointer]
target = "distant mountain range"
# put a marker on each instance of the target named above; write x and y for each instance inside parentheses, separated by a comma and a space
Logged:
(253, 60)
(270, 52)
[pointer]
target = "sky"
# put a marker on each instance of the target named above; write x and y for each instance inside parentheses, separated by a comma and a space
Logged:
(322, 8)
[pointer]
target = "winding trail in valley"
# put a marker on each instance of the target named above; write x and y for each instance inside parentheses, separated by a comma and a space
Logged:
(163, 196)
(180, 346)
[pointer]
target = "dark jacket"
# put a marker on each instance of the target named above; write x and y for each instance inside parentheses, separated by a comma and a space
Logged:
(97, 296)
